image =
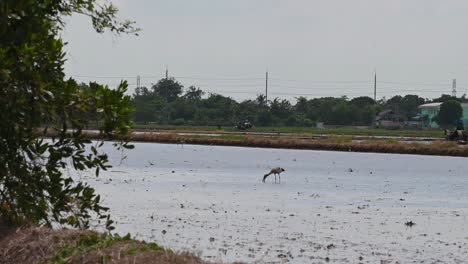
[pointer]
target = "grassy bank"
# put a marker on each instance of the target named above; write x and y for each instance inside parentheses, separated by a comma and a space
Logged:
(336, 143)
(332, 143)
(352, 131)
(44, 245)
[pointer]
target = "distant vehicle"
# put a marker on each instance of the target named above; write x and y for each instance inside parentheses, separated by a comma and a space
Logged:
(244, 124)
(456, 135)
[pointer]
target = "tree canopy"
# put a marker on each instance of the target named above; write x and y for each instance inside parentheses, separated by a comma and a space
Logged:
(35, 97)
(195, 107)
(450, 112)
(190, 107)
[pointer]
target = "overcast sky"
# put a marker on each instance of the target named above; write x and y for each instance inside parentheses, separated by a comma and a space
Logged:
(311, 48)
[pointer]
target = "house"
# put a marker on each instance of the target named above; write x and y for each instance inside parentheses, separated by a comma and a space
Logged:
(429, 111)
(387, 119)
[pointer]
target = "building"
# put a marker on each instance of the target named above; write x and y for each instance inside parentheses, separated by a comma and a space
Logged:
(387, 119)
(429, 111)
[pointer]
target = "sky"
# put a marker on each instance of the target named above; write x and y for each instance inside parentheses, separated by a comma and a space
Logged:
(310, 48)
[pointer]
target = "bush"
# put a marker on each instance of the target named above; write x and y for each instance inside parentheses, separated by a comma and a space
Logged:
(450, 111)
(33, 96)
(179, 122)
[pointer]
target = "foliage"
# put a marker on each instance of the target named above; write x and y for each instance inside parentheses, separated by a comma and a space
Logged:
(192, 108)
(445, 97)
(168, 89)
(94, 241)
(33, 95)
(193, 94)
(405, 106)
(450, 111)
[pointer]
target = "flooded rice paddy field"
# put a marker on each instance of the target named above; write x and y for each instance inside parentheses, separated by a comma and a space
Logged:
(330, 206)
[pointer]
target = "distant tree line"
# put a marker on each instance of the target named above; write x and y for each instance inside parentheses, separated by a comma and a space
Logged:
(167, 102)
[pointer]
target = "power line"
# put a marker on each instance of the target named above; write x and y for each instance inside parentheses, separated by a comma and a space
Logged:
(294, 94)
(218, 79)
(271, 79)
(395, 90)
(412, 83)
(318, 88)
(321, 86)
(300, 88)
(103, 77)
(317, 81)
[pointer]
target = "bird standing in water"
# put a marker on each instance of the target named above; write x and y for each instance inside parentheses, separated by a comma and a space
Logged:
(275, 171)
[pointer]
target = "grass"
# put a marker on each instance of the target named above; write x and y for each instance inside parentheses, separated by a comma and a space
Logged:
(95, 242)
(44, 245)
(337, 143)
(337, 139)
(333, 143)
(302, 130)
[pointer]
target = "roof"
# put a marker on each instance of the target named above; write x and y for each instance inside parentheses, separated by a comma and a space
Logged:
(430, 105)
(386, 111)
(383, 115)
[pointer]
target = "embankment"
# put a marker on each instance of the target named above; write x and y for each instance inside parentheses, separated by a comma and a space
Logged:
(44, 245)
(440, 148)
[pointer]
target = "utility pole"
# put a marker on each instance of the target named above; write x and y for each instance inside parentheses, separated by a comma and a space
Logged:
(266, 86)
(454, 88)
(167, 73)
(167, 78)
(375, 87)
(138, 81)
(167, 99)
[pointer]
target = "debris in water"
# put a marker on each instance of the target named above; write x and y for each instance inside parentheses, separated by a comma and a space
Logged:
(410, 223)
(164, 232)
(350, 170)
(212, 239)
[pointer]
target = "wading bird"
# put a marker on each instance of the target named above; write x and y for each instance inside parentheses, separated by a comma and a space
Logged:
(275, 171)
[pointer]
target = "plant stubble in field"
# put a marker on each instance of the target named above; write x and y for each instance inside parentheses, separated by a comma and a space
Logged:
(333, 206)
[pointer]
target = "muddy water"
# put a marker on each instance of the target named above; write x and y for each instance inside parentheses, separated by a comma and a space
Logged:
(337, 206)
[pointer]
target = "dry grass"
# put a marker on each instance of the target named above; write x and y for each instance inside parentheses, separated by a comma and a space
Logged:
(43, 245)
(442, 148)
(338, 139)
(343, 143)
